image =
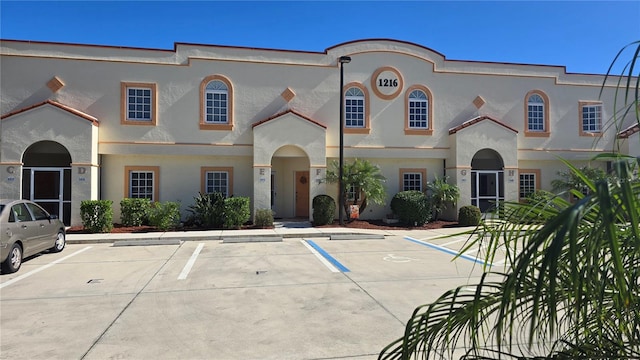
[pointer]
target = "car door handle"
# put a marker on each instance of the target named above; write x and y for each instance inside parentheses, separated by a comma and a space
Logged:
(24, 226)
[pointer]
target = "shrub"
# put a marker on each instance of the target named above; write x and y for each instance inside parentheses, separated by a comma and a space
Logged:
(134, 212)
(324, 209)
(208, 210)
(164, 215)
(264, 218)
(469, 215)
(97, 215)
(412, 208)
(236, 212)
(442, 194)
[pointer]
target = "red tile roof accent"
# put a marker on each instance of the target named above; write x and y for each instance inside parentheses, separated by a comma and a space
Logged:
(477, 120)
(64, 107)
(624, 134)
(288, 112)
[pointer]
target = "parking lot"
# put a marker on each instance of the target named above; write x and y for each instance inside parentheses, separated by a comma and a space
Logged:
(302, 298)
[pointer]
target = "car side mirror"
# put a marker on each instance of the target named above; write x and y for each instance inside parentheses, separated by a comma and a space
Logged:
(53, 217)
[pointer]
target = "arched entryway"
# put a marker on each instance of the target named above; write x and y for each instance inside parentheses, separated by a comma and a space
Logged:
(46, 178)
(290, 183)
(487, 179)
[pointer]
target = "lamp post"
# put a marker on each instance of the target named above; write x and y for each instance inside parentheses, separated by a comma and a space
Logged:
(342, 60)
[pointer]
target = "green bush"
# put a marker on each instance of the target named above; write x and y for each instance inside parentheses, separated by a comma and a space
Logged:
(324, 209)
(134, 212)
(264, 218)
(469, 215)
(207, 210)
(236, 212)
(412, 208)
(164, 215)
(97, 215)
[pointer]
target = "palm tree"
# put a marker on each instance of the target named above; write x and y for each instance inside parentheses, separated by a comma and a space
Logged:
(363, 179)
(570, 288)
(442, 194)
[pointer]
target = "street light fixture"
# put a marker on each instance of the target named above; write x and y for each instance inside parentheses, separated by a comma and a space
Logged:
(342, 60)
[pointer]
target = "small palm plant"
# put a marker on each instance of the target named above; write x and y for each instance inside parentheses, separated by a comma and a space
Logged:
(442, 194)
(364, 178)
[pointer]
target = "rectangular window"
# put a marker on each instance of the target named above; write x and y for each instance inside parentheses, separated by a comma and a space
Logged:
(412, 181)
(529, 182)
(138, 103)
(536, 117)
(351, 194)
(418, 112)
(141, 182)
(216, 107)
(217, 181)
(141, 185)
(354, 112)
(590, 118)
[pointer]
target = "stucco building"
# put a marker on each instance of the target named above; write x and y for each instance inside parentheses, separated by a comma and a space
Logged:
(98, 122)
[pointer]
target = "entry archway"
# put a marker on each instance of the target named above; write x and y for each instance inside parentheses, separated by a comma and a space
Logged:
(487, 179)
(46, 178)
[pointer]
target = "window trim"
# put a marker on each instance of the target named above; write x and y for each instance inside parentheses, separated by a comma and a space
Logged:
(203, 177)
(203, 113)
(581, 105)
(403, 171)
(367, 124)
(124, 102)
(413, 131)
(545, 99)
(538, 179)
(156, 179)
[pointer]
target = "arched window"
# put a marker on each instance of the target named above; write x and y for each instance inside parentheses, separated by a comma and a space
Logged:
(216, 103)
(354, 103)
(536, 114)
(418, 111)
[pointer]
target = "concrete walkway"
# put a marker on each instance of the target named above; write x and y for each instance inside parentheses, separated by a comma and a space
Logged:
(293, 229)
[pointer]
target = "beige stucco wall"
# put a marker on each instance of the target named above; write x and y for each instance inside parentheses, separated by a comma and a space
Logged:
(258, 78)
(79, 137)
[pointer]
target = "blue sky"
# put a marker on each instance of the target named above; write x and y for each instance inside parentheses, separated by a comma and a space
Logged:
(584, 36)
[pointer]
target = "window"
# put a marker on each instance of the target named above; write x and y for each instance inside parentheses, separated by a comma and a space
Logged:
(529, 182)
(419, 111)
(142, 182)
(351, 194)
(216, 103)
(590, 118)
(356, 109)
(412, 179)
(217, 179)
(38, 213)
(138, 104)
(536, 114)
(20, 213)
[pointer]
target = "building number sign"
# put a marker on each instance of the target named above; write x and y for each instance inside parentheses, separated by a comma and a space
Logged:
(387, 83)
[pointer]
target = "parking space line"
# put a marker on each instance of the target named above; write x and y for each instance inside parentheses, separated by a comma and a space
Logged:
(447, 250)
(34, 271)
(191, 262)
(328, 260)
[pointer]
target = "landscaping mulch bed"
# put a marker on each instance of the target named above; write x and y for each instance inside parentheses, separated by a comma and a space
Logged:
(355, 224)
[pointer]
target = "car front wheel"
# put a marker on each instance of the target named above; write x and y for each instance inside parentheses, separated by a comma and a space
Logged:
(14, 260)
(60, 242)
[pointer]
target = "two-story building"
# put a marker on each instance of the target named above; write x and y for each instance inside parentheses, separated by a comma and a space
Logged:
(104, 122)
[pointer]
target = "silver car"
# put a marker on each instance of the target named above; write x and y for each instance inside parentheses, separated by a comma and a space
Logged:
(25, 230)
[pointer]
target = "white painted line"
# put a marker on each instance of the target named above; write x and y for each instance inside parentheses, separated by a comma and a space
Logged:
(26, 275)
(320, 257)
(453, 242)
(192, 260)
